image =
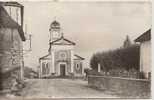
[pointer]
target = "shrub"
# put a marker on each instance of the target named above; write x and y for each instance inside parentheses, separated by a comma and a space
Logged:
(86, 71)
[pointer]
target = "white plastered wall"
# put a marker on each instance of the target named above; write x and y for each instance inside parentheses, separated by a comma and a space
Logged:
(145, 57)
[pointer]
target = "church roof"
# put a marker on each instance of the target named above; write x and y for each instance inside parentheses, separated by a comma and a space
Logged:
(77, 57)
(55, 23)
(62, 41)
(7, 22)
(146, 36)
(45, 57)
(11, 3)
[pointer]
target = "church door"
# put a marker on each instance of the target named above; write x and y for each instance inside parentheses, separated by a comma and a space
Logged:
(62, 69)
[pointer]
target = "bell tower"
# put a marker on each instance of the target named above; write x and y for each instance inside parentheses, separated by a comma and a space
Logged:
(55, 31)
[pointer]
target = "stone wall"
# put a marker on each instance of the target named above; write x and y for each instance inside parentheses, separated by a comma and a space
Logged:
(10, 48)
(125, 87)
(10, 51)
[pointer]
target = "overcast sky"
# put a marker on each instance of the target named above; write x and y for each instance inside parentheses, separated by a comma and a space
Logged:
(93, 26)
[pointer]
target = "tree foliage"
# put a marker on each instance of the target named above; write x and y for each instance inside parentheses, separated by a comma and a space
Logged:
(122, 58)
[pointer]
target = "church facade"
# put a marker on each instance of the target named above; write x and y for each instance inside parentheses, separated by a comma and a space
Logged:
(61, 59)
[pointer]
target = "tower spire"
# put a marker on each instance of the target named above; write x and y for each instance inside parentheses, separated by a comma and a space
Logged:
(55, 30)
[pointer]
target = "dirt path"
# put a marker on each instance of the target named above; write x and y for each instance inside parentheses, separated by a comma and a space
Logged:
(62, 88)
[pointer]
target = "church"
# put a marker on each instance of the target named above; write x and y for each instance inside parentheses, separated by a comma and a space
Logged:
(61, 59)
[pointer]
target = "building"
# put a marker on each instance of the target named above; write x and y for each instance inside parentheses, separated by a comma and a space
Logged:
(15, 10)
(61, 59)
(145, 53)
(11, 39)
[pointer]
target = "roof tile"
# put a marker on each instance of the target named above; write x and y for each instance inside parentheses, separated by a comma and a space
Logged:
(7, 22)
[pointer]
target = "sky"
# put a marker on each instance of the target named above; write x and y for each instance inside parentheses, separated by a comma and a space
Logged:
(93, 26)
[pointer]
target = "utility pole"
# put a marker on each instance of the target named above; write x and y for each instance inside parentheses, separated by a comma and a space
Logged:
(29, 37)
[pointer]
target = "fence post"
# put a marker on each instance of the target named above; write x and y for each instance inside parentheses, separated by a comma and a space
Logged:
(99, 67)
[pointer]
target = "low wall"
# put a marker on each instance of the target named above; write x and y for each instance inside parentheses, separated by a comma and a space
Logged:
(125, 87)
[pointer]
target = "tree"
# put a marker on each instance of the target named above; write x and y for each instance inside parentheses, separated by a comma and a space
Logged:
(122, 58)
(86, 71)
(127, 42)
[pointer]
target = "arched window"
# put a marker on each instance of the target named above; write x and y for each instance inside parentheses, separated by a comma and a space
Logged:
(47, 68)
(78, 66)
(43, 68)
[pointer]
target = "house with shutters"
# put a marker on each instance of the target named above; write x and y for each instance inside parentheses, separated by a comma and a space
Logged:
(61, 59)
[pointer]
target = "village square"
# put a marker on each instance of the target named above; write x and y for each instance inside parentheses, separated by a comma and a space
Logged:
(75, 50)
